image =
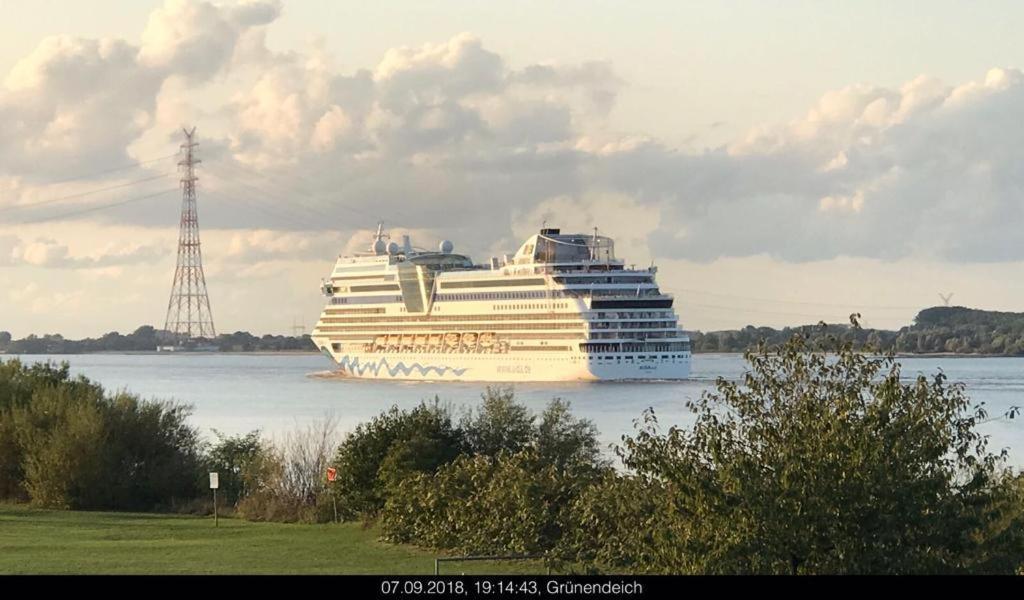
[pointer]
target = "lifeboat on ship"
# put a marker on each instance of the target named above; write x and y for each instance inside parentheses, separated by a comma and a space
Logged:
(487, 339)
(452, 339)
(469, 339)
(434, 340)
(420, 340)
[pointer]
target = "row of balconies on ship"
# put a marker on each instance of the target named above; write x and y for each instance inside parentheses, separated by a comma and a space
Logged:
(637, 335)
(533, 326)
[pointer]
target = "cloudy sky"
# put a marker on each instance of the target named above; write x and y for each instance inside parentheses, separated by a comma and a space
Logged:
(781, 162)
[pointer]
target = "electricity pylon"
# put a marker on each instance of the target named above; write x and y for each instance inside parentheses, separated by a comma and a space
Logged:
(188, 310)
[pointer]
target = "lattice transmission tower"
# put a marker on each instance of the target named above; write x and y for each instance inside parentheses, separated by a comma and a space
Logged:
(188, 311)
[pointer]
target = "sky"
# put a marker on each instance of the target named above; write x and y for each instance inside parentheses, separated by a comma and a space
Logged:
(780, 162)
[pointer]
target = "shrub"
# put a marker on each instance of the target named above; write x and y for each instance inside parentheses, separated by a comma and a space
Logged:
(236, 460)
(624, 524)
(565, 441)
(405, 442)
(67, 444)
(826, 462)
(511, 503)
(499, 425)
(286, 481)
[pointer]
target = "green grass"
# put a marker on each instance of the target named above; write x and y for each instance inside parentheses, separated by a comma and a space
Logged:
(52, 541)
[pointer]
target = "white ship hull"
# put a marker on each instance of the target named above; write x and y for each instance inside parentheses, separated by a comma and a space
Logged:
(410, 366)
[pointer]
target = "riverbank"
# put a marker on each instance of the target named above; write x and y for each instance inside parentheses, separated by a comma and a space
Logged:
(35, 541)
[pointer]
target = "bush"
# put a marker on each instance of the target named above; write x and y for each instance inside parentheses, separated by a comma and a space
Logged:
(403, 443)
(512, 503)
(499, 425)
(236, 460)
(567, 442)
(67, 444)
(624, 524)
(287, 481)
(18, 384)
(826, 462)
(512, 490)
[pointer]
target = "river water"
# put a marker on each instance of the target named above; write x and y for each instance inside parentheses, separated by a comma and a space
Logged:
(236, 393)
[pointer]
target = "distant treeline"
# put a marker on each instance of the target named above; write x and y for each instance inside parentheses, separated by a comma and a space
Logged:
(147, 339)
(942, 329)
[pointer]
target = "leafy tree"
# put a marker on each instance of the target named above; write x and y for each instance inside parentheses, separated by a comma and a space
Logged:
(236, 460)
(499, 425)
(624, 523)
(565, 441)
(825, 462)
(427, 428)
(65, 443)
(480, 504)
(513, 494)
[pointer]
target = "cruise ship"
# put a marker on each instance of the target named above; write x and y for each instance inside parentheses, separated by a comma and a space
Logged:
(562, 308)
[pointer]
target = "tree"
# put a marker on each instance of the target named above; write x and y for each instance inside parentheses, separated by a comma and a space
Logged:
(826, 462)
(420, 440)
(500, 424)
(236, 460)
(565, 441)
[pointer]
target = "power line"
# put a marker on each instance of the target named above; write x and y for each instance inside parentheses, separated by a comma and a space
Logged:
(91, 209)
(293, 190)
(261, 207)
(113, 170)
(272, 205)
(279, 201)
(82, 194)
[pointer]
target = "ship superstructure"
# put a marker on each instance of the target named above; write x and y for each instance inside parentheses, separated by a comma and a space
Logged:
(562, 308)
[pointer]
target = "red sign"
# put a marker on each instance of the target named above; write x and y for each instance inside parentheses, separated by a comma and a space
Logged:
(332, 474)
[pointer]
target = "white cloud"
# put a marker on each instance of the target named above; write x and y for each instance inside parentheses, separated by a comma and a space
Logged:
(51, 254)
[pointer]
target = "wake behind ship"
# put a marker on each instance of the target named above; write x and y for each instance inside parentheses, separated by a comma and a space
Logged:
(563, 308)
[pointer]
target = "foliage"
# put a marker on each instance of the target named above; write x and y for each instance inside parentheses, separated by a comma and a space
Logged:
(565, 441)
(499, 425)
(418, 440)
(624, 523)
(825, 462)
(236, 459)
(147, 339)
(512, 503)
(941, 329)
(286, 481)
(66, 443)
(18, 383)
(510, 492)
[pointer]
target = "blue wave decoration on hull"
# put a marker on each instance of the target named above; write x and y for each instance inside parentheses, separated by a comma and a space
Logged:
(355, 366)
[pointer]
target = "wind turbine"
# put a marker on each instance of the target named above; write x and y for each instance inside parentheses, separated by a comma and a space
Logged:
(946, 298)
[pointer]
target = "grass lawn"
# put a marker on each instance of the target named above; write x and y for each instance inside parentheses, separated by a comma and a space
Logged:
(50, 541)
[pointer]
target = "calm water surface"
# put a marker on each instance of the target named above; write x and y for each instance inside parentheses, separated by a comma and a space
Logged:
(278, 393)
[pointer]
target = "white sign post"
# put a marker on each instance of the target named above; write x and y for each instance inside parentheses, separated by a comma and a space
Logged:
(214, 484)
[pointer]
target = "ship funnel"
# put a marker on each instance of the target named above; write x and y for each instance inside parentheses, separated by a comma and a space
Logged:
(406, 245)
